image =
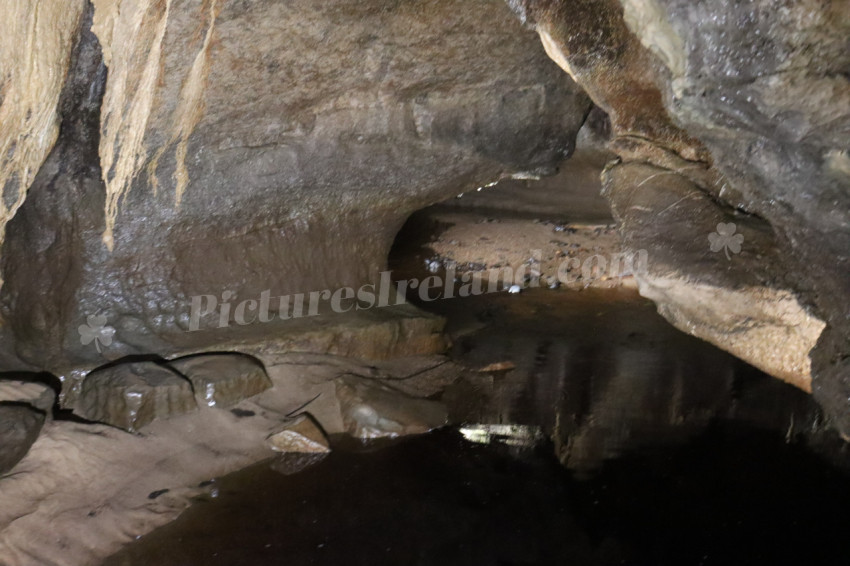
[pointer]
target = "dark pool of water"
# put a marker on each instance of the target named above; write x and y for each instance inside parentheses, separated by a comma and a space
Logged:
(660, 450)
(733, 495)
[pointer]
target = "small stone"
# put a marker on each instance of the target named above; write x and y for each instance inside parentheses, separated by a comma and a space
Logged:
(223, 380)
(19, 429)
(498, 366)
(371, 410)
(514, 289)
(303, 435)
(130, 396)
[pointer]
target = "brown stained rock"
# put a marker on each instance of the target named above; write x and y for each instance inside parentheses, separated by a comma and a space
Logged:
(298, 137)
(223, 380)
(371, 409)
(590, 40)
(728, 290)
(132, 395)
(751, 102)
(19, 428)
(303, 436)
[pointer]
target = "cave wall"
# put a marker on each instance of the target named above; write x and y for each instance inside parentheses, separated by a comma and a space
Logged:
(211, 146)
(35, 52)
(732, 113)
(153, 151)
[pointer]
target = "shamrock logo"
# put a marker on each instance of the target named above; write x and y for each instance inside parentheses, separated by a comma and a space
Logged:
(726, 239)
(96, 331)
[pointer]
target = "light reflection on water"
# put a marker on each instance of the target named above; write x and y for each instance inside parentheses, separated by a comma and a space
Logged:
(603, 374)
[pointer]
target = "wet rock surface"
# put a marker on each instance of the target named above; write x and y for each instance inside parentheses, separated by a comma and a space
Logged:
(374, 410)
(262, 167)
(732, 294)
(20, 425)
(302, 444)
(768, 92)
(361, 399)
(303, 436)
(38, 395)
(223, 380)
(128, 484)
(132, 395)
(172, 118)
(751, 104)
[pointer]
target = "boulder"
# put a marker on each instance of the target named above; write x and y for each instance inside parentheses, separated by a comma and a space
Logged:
(223, 380)
(714, 273)
(20, 425)
(37, 395)
(302, 436)
(290, 463)
(371, 409)
(132, 395)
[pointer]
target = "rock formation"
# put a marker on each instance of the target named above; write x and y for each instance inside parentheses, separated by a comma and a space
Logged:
(19, 428)
(743, 111)
(130, 396)
(222, 380)
(157, 152)
(216, 149)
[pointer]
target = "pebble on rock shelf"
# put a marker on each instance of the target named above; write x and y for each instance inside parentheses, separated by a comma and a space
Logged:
(514, 289)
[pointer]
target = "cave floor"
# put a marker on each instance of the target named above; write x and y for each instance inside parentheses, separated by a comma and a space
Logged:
(630, 443)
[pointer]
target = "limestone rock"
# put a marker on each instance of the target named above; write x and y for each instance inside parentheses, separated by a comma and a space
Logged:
(767, 90)
(222, 380)
(591, 41)
(751, 103)
(19, 428)
(278, 147)
(735, 295)
(131, 395)
(38, 395)
(35, 53)
(371, 409)
(302, 436)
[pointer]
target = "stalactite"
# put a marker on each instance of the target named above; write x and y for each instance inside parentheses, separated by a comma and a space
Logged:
(129, 95)
(188, 113)
(35, 50)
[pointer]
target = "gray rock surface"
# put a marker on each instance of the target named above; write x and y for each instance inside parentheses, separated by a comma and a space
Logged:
(283, 154)
(20, 425)
(222, 380)
(766, 87)
(750, 102)
(132, 395)
(38, 395)
(371, 409)
(729, 294)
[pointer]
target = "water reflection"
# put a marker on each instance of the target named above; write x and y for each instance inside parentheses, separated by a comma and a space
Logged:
(604, 375)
